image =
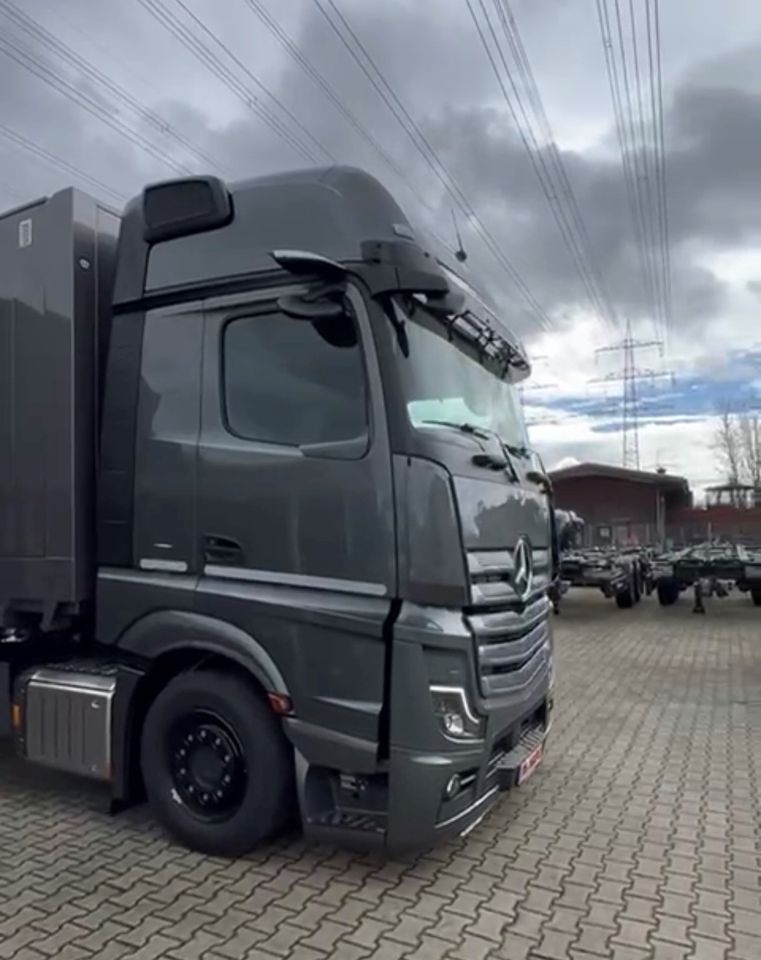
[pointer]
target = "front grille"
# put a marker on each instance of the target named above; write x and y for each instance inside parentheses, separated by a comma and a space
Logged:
(509, 664)
(491, 576)
(512, 638)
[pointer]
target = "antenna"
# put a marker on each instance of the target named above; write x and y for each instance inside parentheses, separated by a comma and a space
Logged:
(459, 253)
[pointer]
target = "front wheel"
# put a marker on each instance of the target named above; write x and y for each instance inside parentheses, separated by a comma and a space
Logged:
(217, 769)
(755, 596)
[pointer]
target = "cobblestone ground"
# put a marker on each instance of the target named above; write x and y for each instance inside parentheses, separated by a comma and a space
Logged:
(639, 838)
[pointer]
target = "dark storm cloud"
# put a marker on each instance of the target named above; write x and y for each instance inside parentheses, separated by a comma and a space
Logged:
(45, 117)
(714, 165)
(713, 168)
(714, 153)
(90, 126)
(714, 141)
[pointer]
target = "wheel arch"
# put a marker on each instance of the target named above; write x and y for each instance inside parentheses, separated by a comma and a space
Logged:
(162, 634)
(168, 643)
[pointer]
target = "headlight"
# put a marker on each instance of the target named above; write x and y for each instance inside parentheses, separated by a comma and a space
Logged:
(456, 719)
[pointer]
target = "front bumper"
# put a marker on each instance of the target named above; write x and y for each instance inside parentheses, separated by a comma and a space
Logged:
(421, 812)
(402, 804)
(429, 785)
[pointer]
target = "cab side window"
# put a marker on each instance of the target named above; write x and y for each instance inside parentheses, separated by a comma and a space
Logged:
(294, 382)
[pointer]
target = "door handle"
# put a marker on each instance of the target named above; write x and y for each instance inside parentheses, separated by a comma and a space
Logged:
(222, 550)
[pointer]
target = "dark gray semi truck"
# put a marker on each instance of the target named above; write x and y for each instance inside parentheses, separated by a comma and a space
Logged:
(272, 540)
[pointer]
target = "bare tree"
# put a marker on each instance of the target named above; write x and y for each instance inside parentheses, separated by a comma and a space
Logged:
(749, 434)
(727, 445)
(738, 446)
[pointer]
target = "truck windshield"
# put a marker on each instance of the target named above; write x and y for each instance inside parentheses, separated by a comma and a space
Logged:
(445, 383)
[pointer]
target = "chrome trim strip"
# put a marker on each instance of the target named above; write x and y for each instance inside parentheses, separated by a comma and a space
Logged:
(502, 624)
(485, 562)
(472, 826)
(490, 562)
(474, 806)
(516, 680)
(492, 592)
(494, 598)
(163, 566)
(518, 651)
(187, 581)
(305, 580)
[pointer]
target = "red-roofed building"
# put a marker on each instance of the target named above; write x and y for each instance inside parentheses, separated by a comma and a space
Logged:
(621, 506)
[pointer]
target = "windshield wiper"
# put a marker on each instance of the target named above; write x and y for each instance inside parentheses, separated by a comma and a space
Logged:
(521, 451)
(517, 450)
(468, 428)
(485, 459)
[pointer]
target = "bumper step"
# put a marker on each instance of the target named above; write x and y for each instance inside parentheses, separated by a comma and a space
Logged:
(507, 764)
(345, 820)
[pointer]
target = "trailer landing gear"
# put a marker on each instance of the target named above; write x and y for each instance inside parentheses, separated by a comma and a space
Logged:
(699, 606)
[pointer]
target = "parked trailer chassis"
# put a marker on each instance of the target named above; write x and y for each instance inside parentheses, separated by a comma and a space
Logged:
(623, 575)
(712, 570)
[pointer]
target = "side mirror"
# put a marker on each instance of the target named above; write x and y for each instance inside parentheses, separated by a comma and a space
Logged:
(450, 303)
(302, 307)
(330, 317)
(541, 480)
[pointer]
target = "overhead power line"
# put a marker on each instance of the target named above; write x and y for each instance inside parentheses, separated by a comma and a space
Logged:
(91, 105)
(101, 81)
(282, 128)
(333, 97)
(361, 56)
(641, 139)
(322, 84)
(655, 65)
(19, 140)
(520, 55)
(622, 132)
(257, 83)
(644, 169)
(521, 94)
(638, 154)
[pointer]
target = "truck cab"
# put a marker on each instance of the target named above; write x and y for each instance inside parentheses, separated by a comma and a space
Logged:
(315, 546)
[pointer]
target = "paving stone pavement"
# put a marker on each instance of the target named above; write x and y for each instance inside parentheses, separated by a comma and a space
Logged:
(640, 837)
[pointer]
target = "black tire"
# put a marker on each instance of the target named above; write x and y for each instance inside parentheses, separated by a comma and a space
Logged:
(637, 583)
(668, 594)
(755, 596)
(625, 599)
(220, 800)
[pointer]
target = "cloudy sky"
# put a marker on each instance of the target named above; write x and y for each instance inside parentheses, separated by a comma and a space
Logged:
(111, 94)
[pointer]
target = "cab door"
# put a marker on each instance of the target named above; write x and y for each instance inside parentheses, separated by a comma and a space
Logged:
(295, 505)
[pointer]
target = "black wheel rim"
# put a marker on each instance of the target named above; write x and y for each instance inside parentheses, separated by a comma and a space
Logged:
(208, 765)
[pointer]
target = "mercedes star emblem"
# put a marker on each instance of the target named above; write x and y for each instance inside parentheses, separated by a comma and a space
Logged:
(523, 569)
